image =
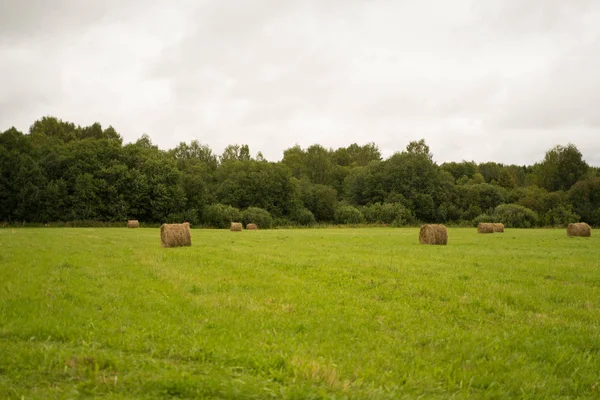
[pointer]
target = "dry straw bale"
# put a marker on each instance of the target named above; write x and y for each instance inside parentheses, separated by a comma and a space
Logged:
(175, 235)
(579, 229)
(251, 227)
(484, 227)
(236, 227)
(433, 234)
(498, 227)
(133, 223)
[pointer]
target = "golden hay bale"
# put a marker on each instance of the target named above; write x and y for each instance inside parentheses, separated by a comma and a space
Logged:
(579, 229)
(236, 227)
(175, 235)
(498, 227)
(433, 234)
(484, 227)
(251, 227)
(133, 223)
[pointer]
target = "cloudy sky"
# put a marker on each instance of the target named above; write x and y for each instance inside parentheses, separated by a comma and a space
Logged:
(500, 80)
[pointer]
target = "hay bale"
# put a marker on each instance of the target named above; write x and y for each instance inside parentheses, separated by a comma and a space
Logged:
(175, 235)
(236, 227)
(133, 223)
(251, 227)
(579, 229)
(498, 227)
(433, 234)
(484, 227)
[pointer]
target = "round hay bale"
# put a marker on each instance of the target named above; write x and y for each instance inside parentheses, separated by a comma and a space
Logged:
(133, 223)
(498, 227)
(433, 234)
(485, 227)
(175, 235)
(251, 227)
(579, 229)
(236, 227)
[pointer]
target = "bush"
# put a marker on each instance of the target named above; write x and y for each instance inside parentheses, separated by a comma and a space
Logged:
(448, 212)
(395, 213)
(283, 222)
(348, 215)
(389, 213)
(371, 213)
(258, 216)
(472, 212)
(560, 217)
(303, 216)
(515, 216)
(482, 218)
(190, 216)
(221, 216)
(86, 223)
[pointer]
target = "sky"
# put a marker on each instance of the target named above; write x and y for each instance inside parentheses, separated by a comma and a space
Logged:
(494, 80)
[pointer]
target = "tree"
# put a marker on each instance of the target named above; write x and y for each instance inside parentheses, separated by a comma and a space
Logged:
(507, 179)
(295, 159)
(459, 170)
(318, 165)
(585, 198)
(491, 171)
(561, 168)
(321, 200)
(267, 185)
(145, 142)
(419, 148)
(235, 152)
(194, 153)
(355, 155)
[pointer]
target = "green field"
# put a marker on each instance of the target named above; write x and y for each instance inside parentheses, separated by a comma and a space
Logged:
(321, 313)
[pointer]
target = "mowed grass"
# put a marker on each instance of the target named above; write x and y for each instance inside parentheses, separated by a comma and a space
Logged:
(324, 313)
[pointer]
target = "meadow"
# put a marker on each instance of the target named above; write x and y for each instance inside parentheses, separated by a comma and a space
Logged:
(298, 314)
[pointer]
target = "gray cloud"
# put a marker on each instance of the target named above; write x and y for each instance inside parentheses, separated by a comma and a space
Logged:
(499, 80)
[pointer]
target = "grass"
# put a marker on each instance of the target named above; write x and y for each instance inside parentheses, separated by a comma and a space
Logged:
(306, 314)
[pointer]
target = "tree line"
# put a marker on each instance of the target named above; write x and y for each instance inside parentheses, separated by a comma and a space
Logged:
(62, 172)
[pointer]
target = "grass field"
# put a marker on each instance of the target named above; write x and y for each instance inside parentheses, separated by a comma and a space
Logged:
(324, 313)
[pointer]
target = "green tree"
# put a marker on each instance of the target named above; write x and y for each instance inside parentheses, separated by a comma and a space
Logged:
(236, 152)
(562, 167)
(295, 159)
(319, 165)
(585, 198)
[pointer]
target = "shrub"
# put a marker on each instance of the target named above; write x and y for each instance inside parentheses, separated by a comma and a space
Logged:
(515, 216)
(221, 216)
(371, 213)
(258, 216)
(283, 222)
(482, 218)
(348, 215)
(303, 216)
(395, 213)
(388, 213)
(560, 217)
(190, 216)
(472, 212)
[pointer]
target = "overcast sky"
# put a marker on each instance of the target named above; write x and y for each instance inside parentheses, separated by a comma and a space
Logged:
(493, 80)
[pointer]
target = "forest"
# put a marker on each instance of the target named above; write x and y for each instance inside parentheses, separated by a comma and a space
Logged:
(60, 172)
